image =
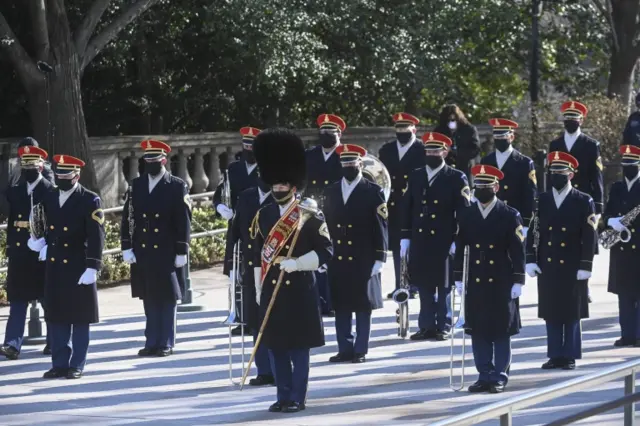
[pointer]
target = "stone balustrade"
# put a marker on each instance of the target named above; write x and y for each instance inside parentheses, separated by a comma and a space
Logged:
(199, 159)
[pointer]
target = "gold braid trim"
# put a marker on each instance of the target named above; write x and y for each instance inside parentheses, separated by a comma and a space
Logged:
(255, 227)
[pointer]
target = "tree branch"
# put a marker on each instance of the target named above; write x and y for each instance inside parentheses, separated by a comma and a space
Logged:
(38, 10)
(605, 11)
(89, 23)
(113, 29)
(20, 59)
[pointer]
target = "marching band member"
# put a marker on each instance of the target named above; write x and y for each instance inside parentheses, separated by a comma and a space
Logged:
(293, 242)
(563, 260)
(623, 264)
(518, 188)
(585, 150)
(400, 156)
(249, 202)
(72, 248)
(494, 234)
(25, 276)
(157, 246)
(323, 169)
(241, 174)
(356, 213)
(433, 196)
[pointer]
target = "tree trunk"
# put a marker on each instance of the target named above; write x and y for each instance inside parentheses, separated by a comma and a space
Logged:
(621, 74)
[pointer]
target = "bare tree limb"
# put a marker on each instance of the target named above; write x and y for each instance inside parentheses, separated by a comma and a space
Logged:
(113, 29)
(38, 10)
(20, 59)
(88, 26)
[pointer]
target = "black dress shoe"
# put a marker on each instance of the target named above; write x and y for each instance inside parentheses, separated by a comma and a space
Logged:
(55, 373)
(497, 387)
(553, 363)
(46, 350)
(440, 335)
(569, 364)
(330, 314)
(164, 352)
(262, 380)
(147, 351)
(74, 373)
(479, 386)
(9, 352)
(294, 407)
(390, 296)
(359, 358)
(277, 406)
(422, 334)
(341, 358)
(624, 342)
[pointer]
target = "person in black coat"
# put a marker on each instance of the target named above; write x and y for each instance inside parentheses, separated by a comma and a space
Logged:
(356, 213)
(562, 260)
(466, 142)
(46, 172)
(292, 241)
(518, 188)
(72, 248)
(434, 197)
(494, 236)
(155, 233)
(624, 262)
(249, 202)
(400, 156)
(25, 276)
(631, 133)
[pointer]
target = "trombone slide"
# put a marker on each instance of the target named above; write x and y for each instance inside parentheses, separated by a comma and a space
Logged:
(458, 325)
(235, 293)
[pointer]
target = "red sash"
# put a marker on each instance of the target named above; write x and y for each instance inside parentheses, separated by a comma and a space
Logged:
(278, 236)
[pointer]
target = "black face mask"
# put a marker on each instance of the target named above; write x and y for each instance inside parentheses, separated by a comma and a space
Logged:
(30, 175)
(65, 184)
(434, 162)
(350, 173)
(571, 126)
(559, 181)
(282, 197)
(328, 140)
(502, 144)
(404, 137)
(484, 195)
(153, 168)
(248, 156)
(630, 172)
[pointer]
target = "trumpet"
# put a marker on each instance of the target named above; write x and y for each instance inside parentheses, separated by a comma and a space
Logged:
(458, 325)
(610, 237)
(401, 297)
(37, 219)
(235, 296)
(226, 190)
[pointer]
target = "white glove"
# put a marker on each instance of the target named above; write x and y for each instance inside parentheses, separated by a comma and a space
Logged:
(525, 229)
(516, 291)
(452, 250)
(128, 256)
(36, 245)
(404, 247)
(90, 276)
(322, 269)
(289, 265)
(615, 223)
(377, 267)
(181, 260)
(583, 275)
(459, 287)
(43, 254)
(257, 275)
(533, 269)
(224, 211)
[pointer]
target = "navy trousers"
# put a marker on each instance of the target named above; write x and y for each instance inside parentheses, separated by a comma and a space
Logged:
(629, 309)
(14, 332)
(292, 374)
(263, 358)
(69, 345)
(322, 282)
(160, 330)
(433, 314)
(346, 343)
(492, 357)
(564, 340)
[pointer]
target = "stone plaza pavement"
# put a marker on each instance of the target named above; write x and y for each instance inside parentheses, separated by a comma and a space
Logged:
(401, 383)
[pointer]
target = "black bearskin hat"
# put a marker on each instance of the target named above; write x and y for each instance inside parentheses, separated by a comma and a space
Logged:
(280, 155)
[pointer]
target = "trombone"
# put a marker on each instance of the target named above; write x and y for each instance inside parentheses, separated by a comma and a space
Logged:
(458, 325)
(401, 296)
(235, 296)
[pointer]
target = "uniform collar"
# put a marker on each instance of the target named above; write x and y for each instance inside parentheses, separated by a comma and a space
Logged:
(631, 182)
(484, 211)
(284, 208)
(432, 172)
(559, 196)
(31, 186)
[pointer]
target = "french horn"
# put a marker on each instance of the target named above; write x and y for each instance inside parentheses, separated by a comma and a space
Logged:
(376, 172)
